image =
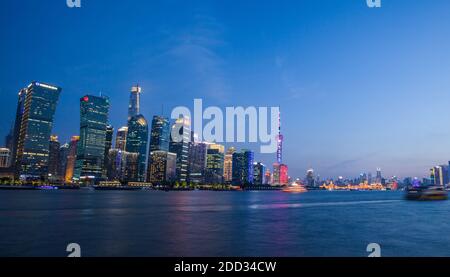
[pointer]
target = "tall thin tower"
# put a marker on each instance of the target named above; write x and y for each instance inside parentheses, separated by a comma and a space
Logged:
(134, 106)
(279, 142)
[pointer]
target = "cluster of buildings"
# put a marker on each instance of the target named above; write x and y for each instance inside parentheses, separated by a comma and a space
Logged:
(141, 152)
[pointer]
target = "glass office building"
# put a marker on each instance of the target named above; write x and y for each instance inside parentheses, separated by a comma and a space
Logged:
(34, 129)
(94, 112)
(137, 140)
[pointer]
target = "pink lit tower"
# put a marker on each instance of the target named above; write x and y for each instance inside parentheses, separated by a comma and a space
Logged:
(280, 170)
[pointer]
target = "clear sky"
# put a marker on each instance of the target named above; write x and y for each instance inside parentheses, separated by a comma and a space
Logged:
(358, 88)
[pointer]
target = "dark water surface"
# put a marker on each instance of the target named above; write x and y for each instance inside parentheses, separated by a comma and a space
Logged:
(151, 223)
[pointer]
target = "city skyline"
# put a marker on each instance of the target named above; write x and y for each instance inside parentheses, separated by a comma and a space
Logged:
(338, 119)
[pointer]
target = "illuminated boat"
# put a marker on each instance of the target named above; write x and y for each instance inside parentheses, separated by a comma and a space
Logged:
(424, 194)
(295, 188)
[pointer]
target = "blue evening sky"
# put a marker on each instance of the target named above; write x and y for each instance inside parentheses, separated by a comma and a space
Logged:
(358, 88)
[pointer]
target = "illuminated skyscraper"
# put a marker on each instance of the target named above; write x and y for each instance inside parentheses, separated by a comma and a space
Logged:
(121, 138)
(310, 182)
(180, 145)
(280, 170)
(4, 157)
(71, 159)
(108, 146)
(53, 160)
(137, 141)
(243, 167)
(35, 128)
(134, 105)
(228, 165)
(160, 134)
(197, 162)
(259, 171)
(280, 139)
(163, 167)
(63, 154)
(16, 129)
(91, 147)
(214, 164)
(379, 178)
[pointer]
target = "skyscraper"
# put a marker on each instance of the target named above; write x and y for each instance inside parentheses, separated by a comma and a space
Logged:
(53, 160)
(160, 134)
(243, 167)
(214, 163)
(4, 157)
(280, 170)
(162, 169)
(94, 112)
(63, 153)
(121, 138)
(115, 166)
(228, 165)
(108, 145)
(379, 177)
(137, 140)
(16, 129)
(134, 105)
(36, 123)
(310, 182)
(259, 171)
(180, 145)
(197, 162)
(71, 159)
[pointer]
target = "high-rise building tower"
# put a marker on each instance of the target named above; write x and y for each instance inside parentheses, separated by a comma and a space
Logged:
(228, 165)
(4, 157)
(91, 147)
(108, 146)
(197, 162)
(53, 159)
(214, 163)
(259, 171)
(71, 159)
(162, 168)
(16, 128)
(63, 153)
(36, 123)
(379, 177)
(180, 145)
(243, 167)
(280, 139)
(280, 170)
(134, 105)
(121, 138)
(137, 141)
(160, 134)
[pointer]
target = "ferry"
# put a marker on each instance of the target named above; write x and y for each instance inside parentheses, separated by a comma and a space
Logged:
(426, 193)
(294, 188)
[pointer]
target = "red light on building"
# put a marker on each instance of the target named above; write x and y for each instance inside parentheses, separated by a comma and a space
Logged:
(85, 99)
(284, 177)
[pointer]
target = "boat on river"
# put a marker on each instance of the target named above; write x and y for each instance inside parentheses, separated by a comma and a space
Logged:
(426, 193)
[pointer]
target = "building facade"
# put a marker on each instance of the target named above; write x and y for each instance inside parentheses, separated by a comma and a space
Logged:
(162, 169)
(5, 155)
(137, 140)
(54, 158)
(179, 144)
(228, 165)
(36, 123)
(214, 164)
(94, 111)
(71, 159)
